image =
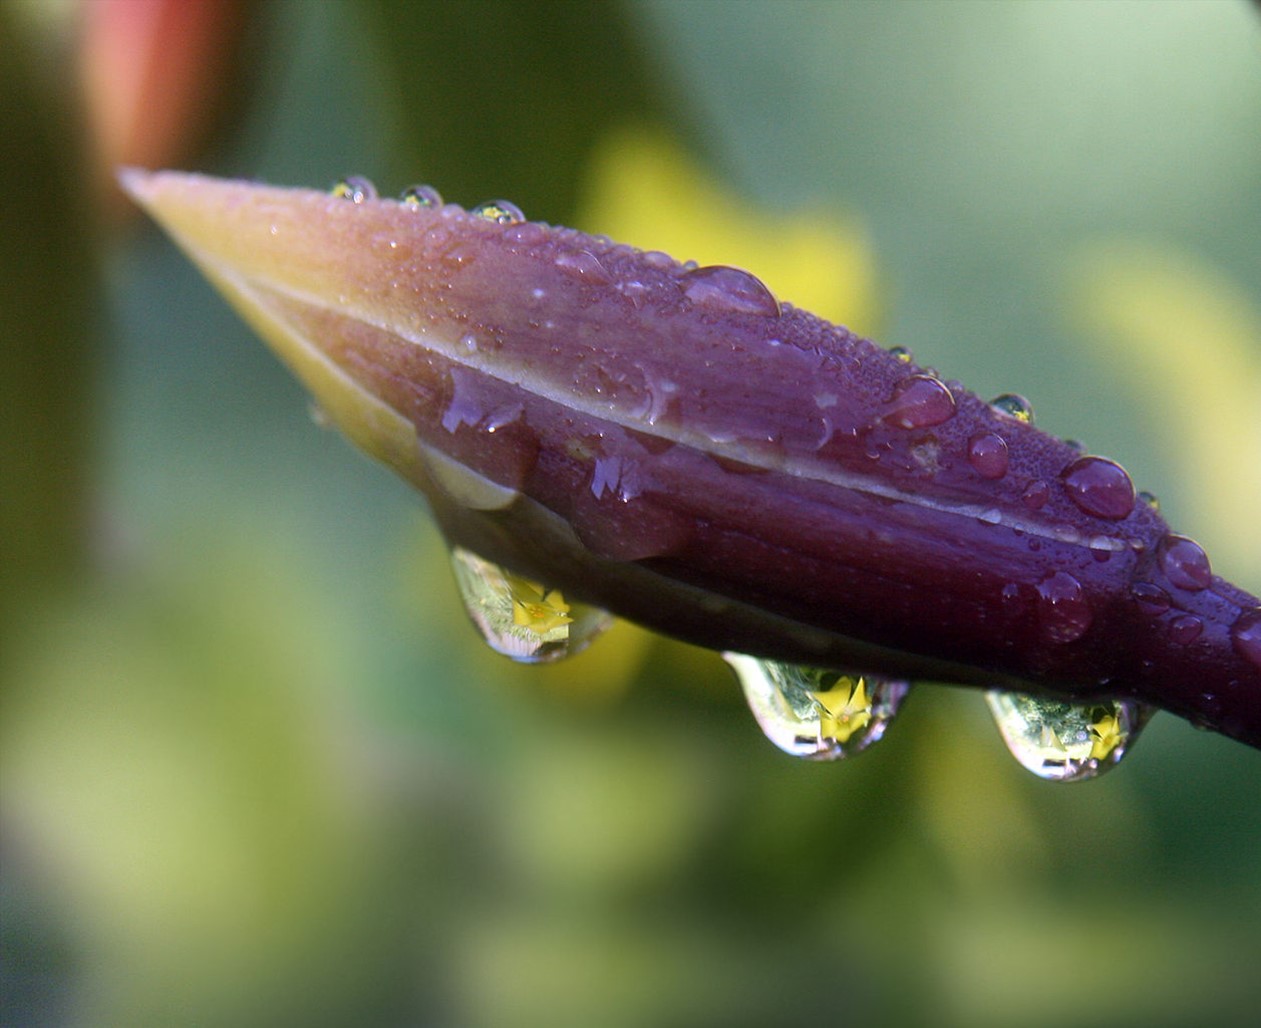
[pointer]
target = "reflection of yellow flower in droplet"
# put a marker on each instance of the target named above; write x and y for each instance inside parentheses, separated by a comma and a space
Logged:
(846, 709)
(1105, 736)
(537, 609)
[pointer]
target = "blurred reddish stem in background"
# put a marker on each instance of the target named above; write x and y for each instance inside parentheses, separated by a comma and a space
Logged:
(153, 74)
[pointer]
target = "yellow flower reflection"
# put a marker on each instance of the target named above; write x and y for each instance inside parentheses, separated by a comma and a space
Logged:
(845, 709)
(537, 609)
(1105, 736)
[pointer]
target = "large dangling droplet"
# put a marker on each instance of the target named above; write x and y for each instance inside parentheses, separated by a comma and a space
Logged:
(1066, 742)
(520, 618)
(815, 713)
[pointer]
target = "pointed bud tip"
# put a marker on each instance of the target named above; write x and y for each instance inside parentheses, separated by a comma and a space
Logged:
(134, 181)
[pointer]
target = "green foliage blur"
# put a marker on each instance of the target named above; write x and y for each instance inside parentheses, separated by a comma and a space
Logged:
(255, 766)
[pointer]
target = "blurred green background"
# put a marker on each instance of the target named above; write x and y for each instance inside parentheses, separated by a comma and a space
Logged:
(255, 767)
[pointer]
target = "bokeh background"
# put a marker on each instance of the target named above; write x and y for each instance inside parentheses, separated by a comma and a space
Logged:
(256, 768)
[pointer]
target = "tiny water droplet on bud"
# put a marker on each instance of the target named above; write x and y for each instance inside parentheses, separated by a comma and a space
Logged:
(501, 212)
(421, 196)
(1099, 487)
(356, 189)
(920, 401)
(730, 290)
(1152, 600)
(1014, 406)
(1185, 563)
(1185, 629)
(1063, 609)
(1245, 635)
(987, 453)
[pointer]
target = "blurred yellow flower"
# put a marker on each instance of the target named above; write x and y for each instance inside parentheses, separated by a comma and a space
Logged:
(1188, 340)
(646, 191)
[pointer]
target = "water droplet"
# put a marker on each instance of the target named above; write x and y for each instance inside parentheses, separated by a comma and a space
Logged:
(501, 212)
(1065, 614)
(356, 189)
(732, 290)
(1245, 635)
(1100, 487)
(1066, 742)
(1185, 563)
(1149, 501)
(1035, 495)
(902, 354)
(1011, 597)
(584, 266)
(1100, 548)
(814, 713)
(1152, 600)
(920, 401)
(987, 453)
(421, 196)
(1014, 406)
(1185, 629)
(520, 618)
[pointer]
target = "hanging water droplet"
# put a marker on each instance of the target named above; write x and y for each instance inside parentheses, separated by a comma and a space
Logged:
(356, 189)
(1066, 742)
(920, 401)
(501, 212)
(902, 354)
(814, 713)
(421, 196)
(987, 453)
(1185, 563)
(1245, 635)
(1099, 487)
(731, 290)
(520, 618)
(1014, 406)
(1149, 501)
